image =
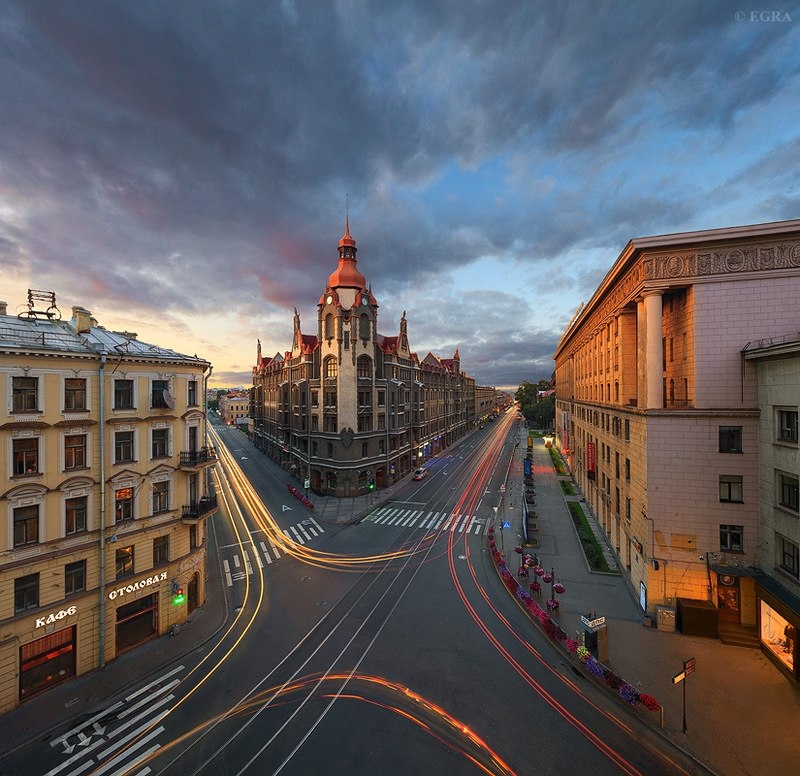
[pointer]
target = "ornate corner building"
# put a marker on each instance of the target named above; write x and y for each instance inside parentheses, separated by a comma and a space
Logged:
(676, 410)
(103, 494)
(348, 407)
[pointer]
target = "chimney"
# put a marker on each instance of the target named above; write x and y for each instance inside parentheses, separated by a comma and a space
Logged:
(83, 320)
(3, 308)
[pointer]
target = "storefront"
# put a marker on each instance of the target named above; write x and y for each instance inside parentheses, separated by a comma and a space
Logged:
(137, 622)
(46, 662)
(778, 623)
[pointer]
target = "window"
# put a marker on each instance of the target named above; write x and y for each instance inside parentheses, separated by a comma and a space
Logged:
(123, 394)
(787, 426)
(365, 423)
(364, 449)
(160, 497)
(315, 398)
(75, 577)
(789, 558)
(363, 326)
(627, 430)
(730, 488)
(26, 592)
(789, 492)
(191, 399)
(26, 525)
(193, 545)
(346, 340)
(75, 515)
(158, 388)
(365, 398)
(123, 504)
(26, 456)
(731, 538)
(75, 451)
(123, 447)
(329, 326)
(628, 469)
(74, 393)
(159, 447)
(331, 368)
(26, 394)
(381, 398)
(124, 562)
(730, 439)
(364, 367)
(160, 550)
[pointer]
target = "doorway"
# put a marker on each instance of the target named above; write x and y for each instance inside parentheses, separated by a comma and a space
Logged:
(728, 605)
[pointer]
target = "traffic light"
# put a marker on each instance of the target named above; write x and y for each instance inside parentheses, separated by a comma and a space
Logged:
(371, 484)
(177, 594)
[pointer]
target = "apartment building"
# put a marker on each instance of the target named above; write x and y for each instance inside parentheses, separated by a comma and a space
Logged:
(103, 494)
(658, 414)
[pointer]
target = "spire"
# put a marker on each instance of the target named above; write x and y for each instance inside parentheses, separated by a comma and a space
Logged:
(346, 273)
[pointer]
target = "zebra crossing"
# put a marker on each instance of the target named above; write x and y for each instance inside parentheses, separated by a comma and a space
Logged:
(89, 746)
(427, 521)
(263, 552)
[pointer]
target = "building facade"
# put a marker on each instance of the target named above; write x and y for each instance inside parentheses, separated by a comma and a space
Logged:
(777, 589)
(103, 495)
(657, 410)
(234, 406)
(347, 408)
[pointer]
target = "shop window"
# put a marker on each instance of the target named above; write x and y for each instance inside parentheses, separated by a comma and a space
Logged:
(731, 538)
(74, 393)
(124, 560)
(75, 515)
(123, 504)
(788, 486)
(46, 662)
(123, 447)
(730, 488)
(160, 492)
(787, 426)
(74, 451)
(26, 593)
(123, 394)
(777, 635)
(191, 398)
(160, 550)
(75, 577)
(26, 525)
(25, 394)
(159, 444)
(730, 439)
(26, 456)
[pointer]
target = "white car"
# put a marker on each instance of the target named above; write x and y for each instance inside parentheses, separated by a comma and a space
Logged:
(421, 473)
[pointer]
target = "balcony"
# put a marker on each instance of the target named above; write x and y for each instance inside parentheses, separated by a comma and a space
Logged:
(197, 459)
(194, 513)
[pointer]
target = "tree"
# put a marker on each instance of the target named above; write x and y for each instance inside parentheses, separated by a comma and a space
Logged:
(539, 411)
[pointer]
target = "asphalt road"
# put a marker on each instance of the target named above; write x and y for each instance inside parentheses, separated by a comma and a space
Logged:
(376, 647)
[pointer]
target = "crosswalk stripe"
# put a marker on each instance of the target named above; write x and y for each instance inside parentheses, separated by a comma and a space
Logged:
(429, 523)
(317, 525)
(294, 531)
(455, 523)
(439, 521)
(447, 522)
(247, 563)
(274, 549)
(396, 518)
(467, 522)
(227, 567)
(236, 561)
(303, 530)
(412, 519)
(266, 552)
(386, 517)
(257, 557)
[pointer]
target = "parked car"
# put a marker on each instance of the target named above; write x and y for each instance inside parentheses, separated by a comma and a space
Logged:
(421, 473)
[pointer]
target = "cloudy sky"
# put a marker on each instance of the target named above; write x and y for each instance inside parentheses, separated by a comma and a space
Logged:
(180, 168)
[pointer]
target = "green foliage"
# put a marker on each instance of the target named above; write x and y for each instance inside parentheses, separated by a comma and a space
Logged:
(567, 488)
(539, 412)
(558, 464)
(591, 548)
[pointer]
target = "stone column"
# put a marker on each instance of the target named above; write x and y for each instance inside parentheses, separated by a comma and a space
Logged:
(654, 356)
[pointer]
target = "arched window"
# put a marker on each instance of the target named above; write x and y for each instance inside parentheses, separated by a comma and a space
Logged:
(364, 366)
(329, 326)
(331, 368)
(363, 327)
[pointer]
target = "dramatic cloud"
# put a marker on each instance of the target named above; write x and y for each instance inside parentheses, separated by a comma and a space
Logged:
(181, 168)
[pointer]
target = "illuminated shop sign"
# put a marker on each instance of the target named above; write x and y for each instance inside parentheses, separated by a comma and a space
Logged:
(55, 617)
(140, 585)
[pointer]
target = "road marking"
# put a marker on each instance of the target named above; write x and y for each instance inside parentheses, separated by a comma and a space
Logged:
(412, 519)
(317, 525)
(294, 531)
(266, 553)
(138, 745)
(227, 567)
(303, 531)
(274, 549)
(236, 561)
(439, 521)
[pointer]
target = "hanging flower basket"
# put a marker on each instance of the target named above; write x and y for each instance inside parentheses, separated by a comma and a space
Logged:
(547, 577)
(535, 587)
(552, 604)
(518, 549)
(522, 572)
(538, 570)
(559, 588)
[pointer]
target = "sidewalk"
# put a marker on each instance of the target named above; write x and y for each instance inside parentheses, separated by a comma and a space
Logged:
(742, 714)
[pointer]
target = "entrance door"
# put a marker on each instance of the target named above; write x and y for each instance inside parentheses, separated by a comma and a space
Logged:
(191, 594)
(728, 598)
(137, 622)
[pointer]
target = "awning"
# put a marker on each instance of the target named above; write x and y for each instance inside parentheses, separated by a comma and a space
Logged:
(777, 591)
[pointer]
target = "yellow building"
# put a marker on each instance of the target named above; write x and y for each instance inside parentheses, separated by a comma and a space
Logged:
(103, 495)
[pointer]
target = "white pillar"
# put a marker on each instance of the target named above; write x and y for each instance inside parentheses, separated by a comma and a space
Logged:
(654, 355)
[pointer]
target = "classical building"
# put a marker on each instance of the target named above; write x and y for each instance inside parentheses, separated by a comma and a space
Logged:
(658, 415)
(777, 589)
(234, 406)
(102, 494)
(348, 408)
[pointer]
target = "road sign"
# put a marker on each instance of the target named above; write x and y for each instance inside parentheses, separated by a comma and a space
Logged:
(502, 488)
(506, 524)
(688, 666)
(679, 677)
(307, 483)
